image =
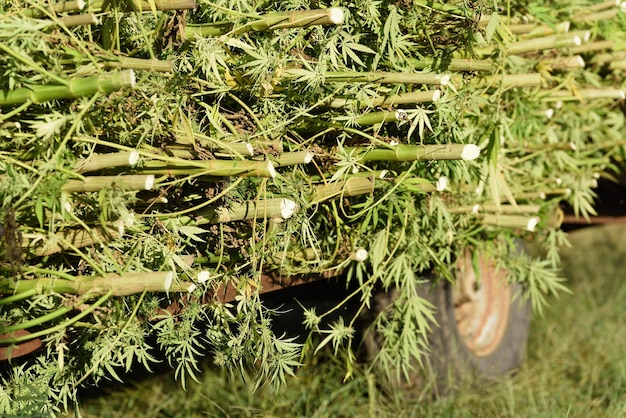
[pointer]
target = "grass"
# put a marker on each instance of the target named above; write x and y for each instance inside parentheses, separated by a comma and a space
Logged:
(576, 365)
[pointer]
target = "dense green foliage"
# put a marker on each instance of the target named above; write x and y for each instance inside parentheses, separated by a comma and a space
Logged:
(271, 142)
(575, 365)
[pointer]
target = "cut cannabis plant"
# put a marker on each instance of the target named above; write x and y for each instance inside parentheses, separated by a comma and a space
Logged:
(163, 163)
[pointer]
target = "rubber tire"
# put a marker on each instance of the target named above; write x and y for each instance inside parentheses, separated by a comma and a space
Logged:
(450, 365)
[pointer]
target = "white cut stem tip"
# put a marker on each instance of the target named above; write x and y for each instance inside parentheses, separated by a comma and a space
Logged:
(587, 36)
(622, 94)
(287, 208)
(444, 80)
(308, 157)
(532, 223)
(149, 184)
(394, 143)
(577, 41)
(132, 79)
(475, 209)
(436, 95)
(470, 152)
(133, 158)
(442, 184)
(401, 115)
(550, 113)
(382, 174)
(80, 4)
(580, 61)
(622, 7)
(271, 169)
(250, 149)
(120, 226)
(360, 254)
(203, 277)
(191, 288)
(169, 279)
(336, 15)
(563, 27)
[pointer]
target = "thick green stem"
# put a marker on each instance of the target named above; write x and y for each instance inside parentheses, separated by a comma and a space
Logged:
(277, 208)
(598, 7)
(77, 87)
(565, 63)
(119, 284)
(352, 186)
(584, 94)
(510, 221)
(39, 246)
(217, 168)
(505, 209)
(604, 15)
(231, 144)
(618, 65)
(292, 158)
(536, 44)
(592, 47)
(417, 152)
(421, 185)
(144, 6)
(140, 64)
(78, 20)
(365, 183)
(376, 174)
(270, 21)
(608, 57)
(97, 162)
(541, 44)
(384, 116)
(60, 7)
(453, 64)
(97, 183)
(396, 99)
(533, 30)
(381, 77)
(509, 80)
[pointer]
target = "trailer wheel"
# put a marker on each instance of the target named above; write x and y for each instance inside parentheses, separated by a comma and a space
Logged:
(483, 325)
(482, 331)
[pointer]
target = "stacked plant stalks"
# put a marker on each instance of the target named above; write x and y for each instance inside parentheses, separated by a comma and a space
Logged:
(216, 144)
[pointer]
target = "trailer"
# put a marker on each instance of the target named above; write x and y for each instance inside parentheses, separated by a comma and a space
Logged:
(256, 182)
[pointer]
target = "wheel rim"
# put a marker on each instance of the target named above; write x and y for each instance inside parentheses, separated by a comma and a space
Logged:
(481, 304)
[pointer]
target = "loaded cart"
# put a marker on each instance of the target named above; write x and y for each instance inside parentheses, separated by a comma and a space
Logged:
(257, 182)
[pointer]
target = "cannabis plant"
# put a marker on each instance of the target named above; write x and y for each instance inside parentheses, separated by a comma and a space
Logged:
(164, 163)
